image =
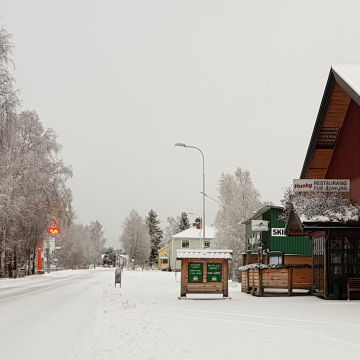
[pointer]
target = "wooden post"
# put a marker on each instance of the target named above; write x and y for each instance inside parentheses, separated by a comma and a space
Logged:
(290, 273)
(326, 263)
(183, 278)
(261, 289)
(225, 278)
(253, 282)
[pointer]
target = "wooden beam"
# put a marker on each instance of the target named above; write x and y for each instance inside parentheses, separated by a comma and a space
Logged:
(337, 108)
(321, 158)
(316, 173)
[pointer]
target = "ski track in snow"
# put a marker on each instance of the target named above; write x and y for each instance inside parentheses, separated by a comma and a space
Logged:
(145, 320)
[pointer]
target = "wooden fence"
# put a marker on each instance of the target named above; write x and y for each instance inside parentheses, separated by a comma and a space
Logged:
(254, 281)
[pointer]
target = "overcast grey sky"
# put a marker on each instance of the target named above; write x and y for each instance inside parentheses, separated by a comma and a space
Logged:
(121, 81)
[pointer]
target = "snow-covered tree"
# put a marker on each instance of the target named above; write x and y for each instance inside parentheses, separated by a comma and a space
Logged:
(33, 191)
(171, 228)
(74, 242)
(109, 256)
(183, 221)
(33, 187)
(81, 245)
(97, 241)
(156, 234)
(8, 95)
(238, 198)
(135, 238)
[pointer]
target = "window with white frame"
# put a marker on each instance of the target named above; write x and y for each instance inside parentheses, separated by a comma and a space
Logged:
(185, 243)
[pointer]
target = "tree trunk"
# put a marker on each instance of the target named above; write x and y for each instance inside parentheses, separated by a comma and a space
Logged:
(3, 255)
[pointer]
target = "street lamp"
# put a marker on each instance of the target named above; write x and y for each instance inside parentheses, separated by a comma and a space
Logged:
(203, 192)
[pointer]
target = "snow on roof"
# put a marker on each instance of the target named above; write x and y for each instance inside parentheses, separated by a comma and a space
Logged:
(348, 76)
(260, 211)
(204, 254)
(194, 233)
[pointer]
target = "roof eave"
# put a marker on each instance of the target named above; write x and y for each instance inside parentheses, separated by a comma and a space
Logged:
(319, 123)
(260, 211)
(348, 89)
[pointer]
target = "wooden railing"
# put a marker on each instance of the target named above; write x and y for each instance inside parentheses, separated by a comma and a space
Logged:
(254, 281)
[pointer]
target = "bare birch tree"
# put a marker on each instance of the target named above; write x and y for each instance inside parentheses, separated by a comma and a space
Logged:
(135, 238)
(97, 241)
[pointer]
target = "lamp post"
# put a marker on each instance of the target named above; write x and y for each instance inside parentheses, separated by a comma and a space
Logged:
(203, 192)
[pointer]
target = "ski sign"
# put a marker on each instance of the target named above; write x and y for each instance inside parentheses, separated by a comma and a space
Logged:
(278, 232)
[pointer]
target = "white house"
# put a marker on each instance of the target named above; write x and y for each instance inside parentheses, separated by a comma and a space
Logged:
(191, 238)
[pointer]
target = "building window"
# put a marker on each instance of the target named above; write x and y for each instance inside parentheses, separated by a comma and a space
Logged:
(207, 243)
(276, 258)
(185, 243)
(164, 261)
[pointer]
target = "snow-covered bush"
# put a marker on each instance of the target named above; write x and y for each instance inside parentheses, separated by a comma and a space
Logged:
(321, 206)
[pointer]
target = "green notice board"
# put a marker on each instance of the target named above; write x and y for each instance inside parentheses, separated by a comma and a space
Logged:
(214, 272)
(195, 273)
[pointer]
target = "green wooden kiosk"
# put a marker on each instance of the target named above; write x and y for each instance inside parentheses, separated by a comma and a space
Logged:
(204, 271)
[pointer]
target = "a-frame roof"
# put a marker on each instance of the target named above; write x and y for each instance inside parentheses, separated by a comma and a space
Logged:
(264, 208)
(343, 85)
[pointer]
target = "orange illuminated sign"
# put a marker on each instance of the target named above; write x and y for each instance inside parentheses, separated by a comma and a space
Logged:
(53, 229)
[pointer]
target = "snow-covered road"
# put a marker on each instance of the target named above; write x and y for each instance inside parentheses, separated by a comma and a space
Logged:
(78, 315)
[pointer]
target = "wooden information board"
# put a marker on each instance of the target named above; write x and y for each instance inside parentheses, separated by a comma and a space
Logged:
(195, 273)
(214, 272)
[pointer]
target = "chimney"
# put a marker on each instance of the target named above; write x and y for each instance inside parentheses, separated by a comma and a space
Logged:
(198, 223)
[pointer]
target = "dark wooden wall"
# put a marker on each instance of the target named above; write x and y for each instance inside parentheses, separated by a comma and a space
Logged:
(345, 161)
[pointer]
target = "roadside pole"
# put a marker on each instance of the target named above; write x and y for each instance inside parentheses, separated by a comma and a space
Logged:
(48, 255)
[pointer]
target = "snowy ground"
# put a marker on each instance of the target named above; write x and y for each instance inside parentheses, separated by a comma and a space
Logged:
(78, 315)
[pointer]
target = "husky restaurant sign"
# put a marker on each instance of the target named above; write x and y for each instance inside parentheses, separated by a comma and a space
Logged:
(331, 185)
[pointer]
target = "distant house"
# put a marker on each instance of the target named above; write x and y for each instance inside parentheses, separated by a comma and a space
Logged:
(189, 239)
(163, 258)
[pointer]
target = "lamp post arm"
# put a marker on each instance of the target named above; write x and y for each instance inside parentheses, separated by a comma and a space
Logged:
(203, 192)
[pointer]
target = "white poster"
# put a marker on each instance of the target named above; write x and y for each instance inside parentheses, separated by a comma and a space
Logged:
(259, 225)
(331, 185)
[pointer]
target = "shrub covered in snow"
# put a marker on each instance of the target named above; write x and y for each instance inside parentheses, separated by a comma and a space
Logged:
(275, 266)
(321, 206)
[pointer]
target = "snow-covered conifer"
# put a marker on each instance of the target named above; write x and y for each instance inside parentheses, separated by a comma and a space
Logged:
(183, 221)
(156, 234)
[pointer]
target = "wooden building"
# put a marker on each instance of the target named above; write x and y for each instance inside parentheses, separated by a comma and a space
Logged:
(204, 271)
(163, 258)
(332, 219)
(274, 241)
(274, 260)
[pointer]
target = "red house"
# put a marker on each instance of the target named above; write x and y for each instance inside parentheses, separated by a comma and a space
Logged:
(332, 219)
